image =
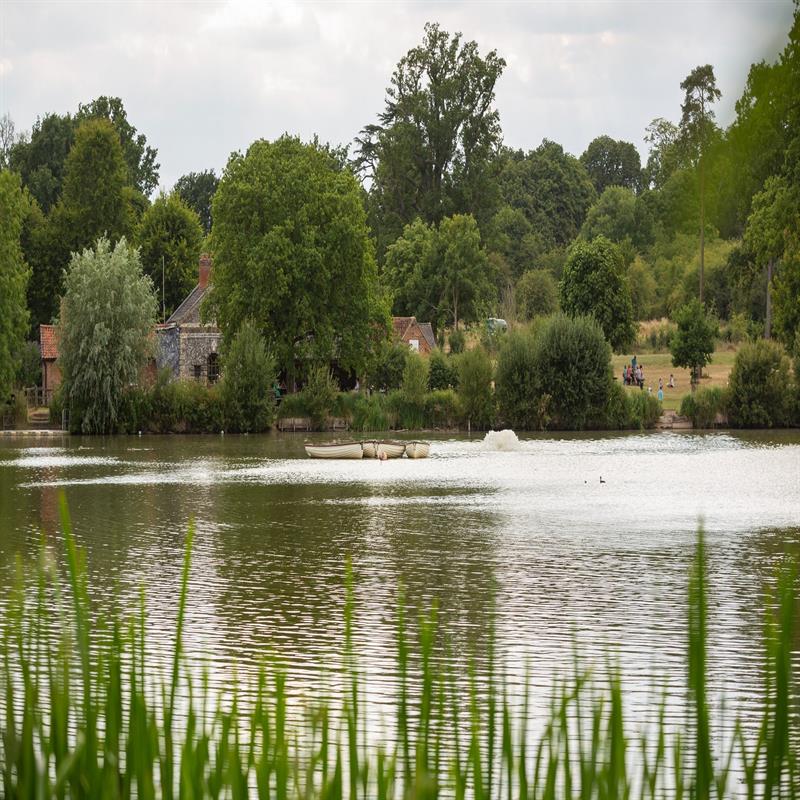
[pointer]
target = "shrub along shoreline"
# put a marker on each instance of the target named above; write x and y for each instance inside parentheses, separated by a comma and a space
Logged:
(89, 713)
(554, 375)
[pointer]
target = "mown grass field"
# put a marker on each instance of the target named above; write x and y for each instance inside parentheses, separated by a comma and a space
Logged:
(659, 365)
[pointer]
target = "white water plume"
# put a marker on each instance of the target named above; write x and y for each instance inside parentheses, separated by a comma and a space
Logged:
(505, 440)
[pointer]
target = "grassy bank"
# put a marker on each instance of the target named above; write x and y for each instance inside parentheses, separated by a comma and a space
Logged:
(659, 365)
(87, 714)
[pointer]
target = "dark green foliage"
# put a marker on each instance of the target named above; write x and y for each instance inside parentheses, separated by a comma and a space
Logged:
(29, 365)
(115, 720)
(642, 410)
(520, 403)
(536, 294)
(457, 341)
(760, 390)
(443, 409)
(107, 318)
(693, 342)
(14, 275)
(475, 394)
(170, 239)
(414, 390)
(319, 396)
(247, 379)
(389, 366)
(551, 188)
(621, 217)
(292, 252)
(442, 371)
(430, 155)
(140, 158)
(370, 413)
(93, 202)
(40, 158)
(439, 275)
(572, 369)
(703, 406)
(197, 190)
(595, 283)
(610, 162)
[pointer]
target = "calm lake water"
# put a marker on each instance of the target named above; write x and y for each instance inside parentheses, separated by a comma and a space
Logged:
(531, 539)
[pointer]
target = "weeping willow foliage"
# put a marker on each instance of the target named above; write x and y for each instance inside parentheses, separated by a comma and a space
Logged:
(108, 312)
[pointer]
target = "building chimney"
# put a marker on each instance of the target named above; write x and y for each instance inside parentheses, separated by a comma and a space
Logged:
(205, 270)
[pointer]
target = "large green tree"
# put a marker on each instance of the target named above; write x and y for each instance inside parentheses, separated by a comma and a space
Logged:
(292, 252)
(551, 188)
(430, 154)
(612, 162)
(197, 189)
(619, 215)
(465, 278)
(595, 283)
(14, 275)
(107, 316)
(440, 275)
(692, 344)
(697, 128)
(140, 157)
(170, 238)
(40, 157)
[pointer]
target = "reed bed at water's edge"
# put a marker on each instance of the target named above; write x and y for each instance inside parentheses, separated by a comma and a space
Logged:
(88, 715)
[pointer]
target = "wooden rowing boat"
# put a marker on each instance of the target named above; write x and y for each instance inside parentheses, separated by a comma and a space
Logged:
(418, 449)
(336, 450)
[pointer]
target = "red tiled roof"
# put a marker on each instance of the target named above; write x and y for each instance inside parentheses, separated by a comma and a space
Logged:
(48, 341)
(401, 325)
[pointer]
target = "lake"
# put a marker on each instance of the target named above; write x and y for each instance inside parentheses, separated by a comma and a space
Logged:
(569, 537)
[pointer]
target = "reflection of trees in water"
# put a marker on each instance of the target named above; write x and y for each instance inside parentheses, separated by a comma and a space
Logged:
(282, 569)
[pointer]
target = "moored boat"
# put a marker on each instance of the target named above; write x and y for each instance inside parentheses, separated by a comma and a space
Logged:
(389, 449)
(370, 448)
(335, 450)
(418, 449)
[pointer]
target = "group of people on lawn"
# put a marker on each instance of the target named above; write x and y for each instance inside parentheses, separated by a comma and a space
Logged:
(633, 375)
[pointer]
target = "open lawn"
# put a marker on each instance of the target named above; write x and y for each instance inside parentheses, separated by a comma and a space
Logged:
(659, 365)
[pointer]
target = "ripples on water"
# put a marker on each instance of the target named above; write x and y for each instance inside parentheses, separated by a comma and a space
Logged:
(530, 541)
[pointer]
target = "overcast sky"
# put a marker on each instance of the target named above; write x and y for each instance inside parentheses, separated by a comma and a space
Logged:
(201, 79)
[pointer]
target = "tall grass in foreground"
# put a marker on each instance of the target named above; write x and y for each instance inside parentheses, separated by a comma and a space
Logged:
(84, 715)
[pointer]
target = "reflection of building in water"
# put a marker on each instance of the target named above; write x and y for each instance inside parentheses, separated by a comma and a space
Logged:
(49, 515)
(186, 345)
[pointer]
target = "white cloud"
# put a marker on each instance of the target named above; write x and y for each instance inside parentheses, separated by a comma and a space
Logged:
(201, 79)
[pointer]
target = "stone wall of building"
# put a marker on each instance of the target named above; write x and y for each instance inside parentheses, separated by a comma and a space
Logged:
(196, 345)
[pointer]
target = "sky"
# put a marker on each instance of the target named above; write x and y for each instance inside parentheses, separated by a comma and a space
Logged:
(204, 79)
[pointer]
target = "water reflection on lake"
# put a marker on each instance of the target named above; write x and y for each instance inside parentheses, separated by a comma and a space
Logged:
(532, 536)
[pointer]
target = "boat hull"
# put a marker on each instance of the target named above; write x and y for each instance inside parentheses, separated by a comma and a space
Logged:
(418, 449)
(390, 449)
(335, 450)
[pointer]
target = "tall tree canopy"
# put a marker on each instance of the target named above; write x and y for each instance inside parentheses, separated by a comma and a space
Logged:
(170, 239)
(441, 275)
(197, 189)
(107, 316)
(14, 275)
(697, 127)
(430, 154)
(292, 252)
(94, 201)
(139, 156)
(612, 162)
(619, 215)
(40, 157)
(595, 283)
(551, 188)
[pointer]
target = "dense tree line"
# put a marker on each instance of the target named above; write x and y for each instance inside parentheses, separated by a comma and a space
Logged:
(430, 215)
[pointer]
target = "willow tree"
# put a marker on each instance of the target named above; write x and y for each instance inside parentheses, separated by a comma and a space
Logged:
(107, 316)
(292, 252)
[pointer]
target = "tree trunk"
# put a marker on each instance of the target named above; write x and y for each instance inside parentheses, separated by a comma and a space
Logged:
(768, 316)
(455, 309)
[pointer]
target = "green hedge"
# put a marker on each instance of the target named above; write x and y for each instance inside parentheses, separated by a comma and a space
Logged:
(703, 406)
